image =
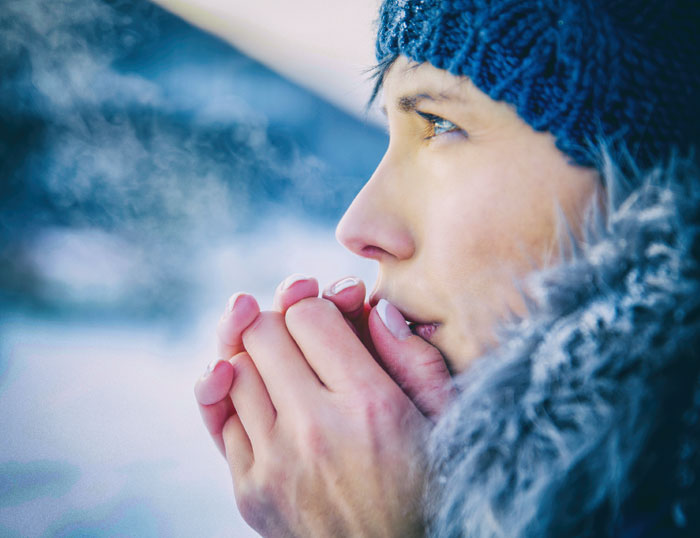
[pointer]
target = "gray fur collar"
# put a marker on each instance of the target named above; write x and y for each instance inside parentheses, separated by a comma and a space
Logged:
(584, 420)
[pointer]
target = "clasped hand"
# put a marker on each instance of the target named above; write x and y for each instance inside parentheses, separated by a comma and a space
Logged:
(321, 407)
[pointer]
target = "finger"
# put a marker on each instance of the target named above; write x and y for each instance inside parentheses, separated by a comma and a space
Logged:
(331, 347)
(418, 367)
(214, 417)
(348, 295)
(215, 408)
(241, 310)
(238, 450)
(215, 383)
(285, 372)
(251, 401)
(293, 289)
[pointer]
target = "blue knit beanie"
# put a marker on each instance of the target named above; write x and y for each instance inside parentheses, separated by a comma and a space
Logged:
(622, 72)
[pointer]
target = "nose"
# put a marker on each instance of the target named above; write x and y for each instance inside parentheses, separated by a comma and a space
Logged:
(374, 226)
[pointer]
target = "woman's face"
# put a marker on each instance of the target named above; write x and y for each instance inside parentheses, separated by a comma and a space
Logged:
(463, 202)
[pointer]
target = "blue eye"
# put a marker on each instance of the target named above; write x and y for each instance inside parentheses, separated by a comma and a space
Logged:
(437, 125)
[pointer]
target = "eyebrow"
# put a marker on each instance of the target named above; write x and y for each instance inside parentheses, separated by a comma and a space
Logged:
(409, 103)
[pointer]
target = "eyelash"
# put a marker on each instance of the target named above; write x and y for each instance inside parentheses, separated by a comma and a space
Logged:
(435, 125)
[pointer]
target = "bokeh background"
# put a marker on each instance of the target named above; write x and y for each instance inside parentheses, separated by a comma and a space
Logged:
(147, 171)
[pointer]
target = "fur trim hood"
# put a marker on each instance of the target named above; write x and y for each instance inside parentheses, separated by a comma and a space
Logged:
(585, 419)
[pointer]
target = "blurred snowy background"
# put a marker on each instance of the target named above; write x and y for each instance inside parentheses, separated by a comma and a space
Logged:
(147, 171)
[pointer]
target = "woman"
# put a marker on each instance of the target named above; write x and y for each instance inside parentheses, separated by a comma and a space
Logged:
(534, 223)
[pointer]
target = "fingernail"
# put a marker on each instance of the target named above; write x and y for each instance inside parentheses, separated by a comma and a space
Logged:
(344, 284)
(291, 279)
(231, 304)
(393, 320)
(211, 367)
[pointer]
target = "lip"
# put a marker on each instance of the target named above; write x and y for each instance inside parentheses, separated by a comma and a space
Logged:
(424, 330)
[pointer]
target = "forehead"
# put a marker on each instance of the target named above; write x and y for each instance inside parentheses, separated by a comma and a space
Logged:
(406, 83)
(406, 78)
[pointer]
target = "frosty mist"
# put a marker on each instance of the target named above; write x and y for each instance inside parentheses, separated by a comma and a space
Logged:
(131, 143)
(147, 170)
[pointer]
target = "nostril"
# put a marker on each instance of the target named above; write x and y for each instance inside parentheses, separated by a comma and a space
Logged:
(371, 251)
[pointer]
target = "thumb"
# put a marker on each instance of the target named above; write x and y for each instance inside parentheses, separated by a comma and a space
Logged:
(417, 367)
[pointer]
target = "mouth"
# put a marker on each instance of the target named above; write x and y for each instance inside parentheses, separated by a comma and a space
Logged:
(424, 329)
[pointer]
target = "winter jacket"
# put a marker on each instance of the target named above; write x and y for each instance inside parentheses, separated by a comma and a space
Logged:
(585, 419)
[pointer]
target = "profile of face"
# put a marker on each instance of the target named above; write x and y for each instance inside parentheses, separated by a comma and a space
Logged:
(467, 200)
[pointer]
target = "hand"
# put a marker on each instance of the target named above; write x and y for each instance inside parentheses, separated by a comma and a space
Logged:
(212, 388)
(418, 367)
(414, 364)
(324, 442)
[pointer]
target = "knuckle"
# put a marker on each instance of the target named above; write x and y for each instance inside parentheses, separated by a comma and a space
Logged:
(309, 435)
(314, 440)
(227, 431)
(263, 323)
(434, 364)
(240, 358)
(242, 363)
(308, 310)
(381, 408)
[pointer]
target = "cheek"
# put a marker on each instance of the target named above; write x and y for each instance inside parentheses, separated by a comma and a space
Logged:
(484, 220)
(480, 236)
(488, 222)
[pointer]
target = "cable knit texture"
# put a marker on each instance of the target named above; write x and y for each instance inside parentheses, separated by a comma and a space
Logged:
(585, 70)
(585, 420)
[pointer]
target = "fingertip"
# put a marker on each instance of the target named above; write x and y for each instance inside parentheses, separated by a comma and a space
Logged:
(348, 295)
(241, 310)
(215, 383)
(292, 290)
(343, 284)
(377, 328)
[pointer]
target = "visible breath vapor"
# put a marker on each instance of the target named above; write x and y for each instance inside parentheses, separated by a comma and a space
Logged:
(107, 130)
(147, 171)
